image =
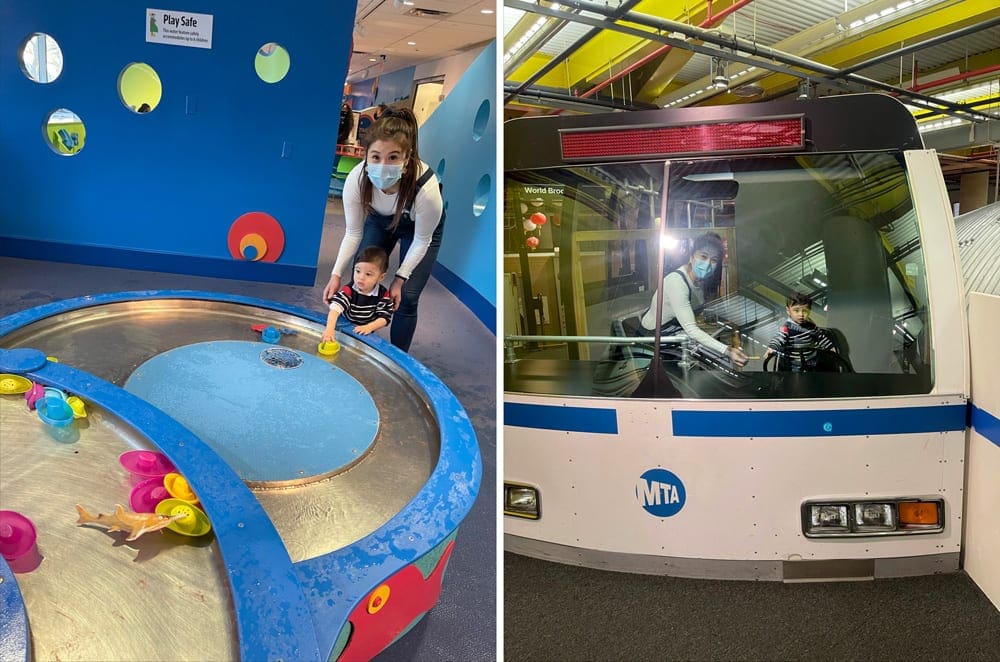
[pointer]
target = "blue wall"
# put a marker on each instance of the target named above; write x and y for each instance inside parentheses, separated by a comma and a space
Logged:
(160, 190)
(468, 256)
(395, 86)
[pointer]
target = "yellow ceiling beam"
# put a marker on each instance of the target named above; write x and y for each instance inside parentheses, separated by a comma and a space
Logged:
(609, 50)
(936, 21)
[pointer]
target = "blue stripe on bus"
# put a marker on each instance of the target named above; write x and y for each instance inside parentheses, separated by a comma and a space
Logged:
(570, 419)
(985, 423)
(819, 423)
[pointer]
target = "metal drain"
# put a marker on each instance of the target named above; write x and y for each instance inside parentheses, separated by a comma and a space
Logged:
(279, 357)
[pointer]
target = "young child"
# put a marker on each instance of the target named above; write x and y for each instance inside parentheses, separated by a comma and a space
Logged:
(366, 301)
(798, 338)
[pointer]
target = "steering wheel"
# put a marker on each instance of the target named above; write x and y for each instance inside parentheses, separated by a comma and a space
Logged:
(824, 361)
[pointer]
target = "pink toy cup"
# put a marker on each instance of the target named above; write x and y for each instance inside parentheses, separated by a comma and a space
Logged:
(145, 464)
(147, 494)
(34, 394)
(17, 541)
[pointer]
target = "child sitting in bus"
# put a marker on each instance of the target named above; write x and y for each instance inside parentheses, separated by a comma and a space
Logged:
(798, 339)
(366, 301)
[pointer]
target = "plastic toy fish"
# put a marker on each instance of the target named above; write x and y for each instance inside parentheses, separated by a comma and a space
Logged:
(125, 520)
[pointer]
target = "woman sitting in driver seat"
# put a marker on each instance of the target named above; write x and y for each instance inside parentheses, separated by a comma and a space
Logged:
(683, 295)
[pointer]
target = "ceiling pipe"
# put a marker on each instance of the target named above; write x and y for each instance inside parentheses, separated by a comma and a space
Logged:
(912, 48)
(710, 21)
(572, 48)
(989, 101)
(742, 45)
(570, 102)
(732, 56)
(953, 79)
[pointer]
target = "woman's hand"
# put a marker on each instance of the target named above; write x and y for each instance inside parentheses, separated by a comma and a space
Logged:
(396, 291)
(331, 288)
(737, 356)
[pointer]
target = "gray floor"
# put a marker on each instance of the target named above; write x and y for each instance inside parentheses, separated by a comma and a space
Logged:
(557, 612)
(449, 340)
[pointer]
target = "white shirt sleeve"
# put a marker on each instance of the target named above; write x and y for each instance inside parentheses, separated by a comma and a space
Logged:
(426, 214)
(676, 292)
(354, 220)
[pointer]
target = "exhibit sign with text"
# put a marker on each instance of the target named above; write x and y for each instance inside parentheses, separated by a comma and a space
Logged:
(164, 26)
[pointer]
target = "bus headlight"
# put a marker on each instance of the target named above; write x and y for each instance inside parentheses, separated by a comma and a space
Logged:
(850, 518)
(828, 517)
(520, 501)
(874, 517)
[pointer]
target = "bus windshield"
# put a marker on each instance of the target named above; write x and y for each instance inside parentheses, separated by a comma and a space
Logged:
(811, 264)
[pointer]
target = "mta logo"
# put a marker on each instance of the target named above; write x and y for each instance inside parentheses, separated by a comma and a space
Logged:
(660, 493)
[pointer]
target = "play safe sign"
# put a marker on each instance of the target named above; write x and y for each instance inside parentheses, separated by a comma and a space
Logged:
(176, 28)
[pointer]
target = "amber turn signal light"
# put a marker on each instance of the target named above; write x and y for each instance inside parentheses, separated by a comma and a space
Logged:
(923, 513)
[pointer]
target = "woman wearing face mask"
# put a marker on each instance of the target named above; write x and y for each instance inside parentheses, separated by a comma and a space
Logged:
(393, 197)
(683, 296)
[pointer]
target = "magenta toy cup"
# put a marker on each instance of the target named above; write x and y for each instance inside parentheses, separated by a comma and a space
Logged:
(17, 541)
(147, 494)
(34, 394)
(142, 464)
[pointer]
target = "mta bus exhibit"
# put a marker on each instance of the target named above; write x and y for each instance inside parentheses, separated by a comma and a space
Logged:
(711, 449)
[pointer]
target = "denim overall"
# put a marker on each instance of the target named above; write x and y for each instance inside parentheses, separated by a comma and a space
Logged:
(377, 233)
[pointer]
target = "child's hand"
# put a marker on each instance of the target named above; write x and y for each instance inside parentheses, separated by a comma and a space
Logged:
(364, 329)
(327, 336)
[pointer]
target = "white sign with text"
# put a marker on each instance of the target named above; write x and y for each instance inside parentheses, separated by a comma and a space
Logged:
(166, 26)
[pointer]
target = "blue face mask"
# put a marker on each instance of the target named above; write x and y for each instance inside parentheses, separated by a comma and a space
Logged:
(384, 175)
(703, 268)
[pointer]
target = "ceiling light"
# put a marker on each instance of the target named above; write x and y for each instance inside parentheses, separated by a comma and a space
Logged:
(807, 90)
(720, 81)
(411, 43)
(485, 11)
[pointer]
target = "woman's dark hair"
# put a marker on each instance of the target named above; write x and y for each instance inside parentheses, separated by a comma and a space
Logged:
(713, 242)
(709, 240)
(400, 127)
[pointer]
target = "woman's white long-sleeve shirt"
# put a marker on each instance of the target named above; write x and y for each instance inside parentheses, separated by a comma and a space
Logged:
(678, 296)
(425, 212)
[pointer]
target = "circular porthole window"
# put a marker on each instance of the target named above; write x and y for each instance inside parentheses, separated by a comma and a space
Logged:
(41, 58)
(481, 197)
(139, 87)
(481, 121)
(272, 62)
(64, 132)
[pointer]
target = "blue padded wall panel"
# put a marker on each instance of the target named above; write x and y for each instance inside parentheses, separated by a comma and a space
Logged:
(469, 248)
(221, 142)
(395, 86)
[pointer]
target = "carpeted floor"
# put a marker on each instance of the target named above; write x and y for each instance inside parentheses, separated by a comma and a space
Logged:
(555, 612)
(449, 340)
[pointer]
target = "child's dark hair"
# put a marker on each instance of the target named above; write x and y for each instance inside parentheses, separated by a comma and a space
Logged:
(374, 255)
(798, 299)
